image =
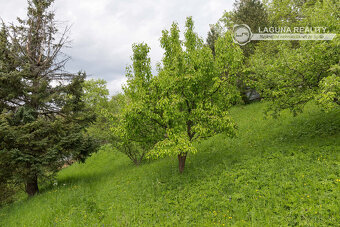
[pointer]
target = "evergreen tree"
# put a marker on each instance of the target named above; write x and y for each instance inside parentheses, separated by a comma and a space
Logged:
(6, 65)
(42, 115)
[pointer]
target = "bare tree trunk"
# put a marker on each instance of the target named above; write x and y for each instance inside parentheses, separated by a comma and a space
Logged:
(32, 186)
(181, 161)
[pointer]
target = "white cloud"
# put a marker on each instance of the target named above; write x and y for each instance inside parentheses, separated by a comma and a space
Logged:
(103, 30)
(115, 85)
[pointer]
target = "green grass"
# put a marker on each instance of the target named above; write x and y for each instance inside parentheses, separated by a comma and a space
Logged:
(276, 172)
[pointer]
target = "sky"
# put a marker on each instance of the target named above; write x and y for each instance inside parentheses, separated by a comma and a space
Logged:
(103, 31)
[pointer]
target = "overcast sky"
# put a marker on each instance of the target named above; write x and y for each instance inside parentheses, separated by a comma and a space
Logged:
(104, 30)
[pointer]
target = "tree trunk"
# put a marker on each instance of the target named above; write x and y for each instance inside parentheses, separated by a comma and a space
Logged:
(32, 186)
(181, 161)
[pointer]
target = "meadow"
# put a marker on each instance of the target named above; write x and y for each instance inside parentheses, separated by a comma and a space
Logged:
(275, 172)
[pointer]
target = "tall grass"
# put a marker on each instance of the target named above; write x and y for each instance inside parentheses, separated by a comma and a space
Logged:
(276, 172)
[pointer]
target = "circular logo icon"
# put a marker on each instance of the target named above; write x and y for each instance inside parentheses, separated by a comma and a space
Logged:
(242, 34)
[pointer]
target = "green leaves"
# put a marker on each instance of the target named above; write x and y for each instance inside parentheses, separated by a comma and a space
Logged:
(291, 73)
(187, 101)
(329, 96)
(137, 126)
(291, 76)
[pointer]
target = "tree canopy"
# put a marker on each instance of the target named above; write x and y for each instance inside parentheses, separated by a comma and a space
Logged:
(187, 101)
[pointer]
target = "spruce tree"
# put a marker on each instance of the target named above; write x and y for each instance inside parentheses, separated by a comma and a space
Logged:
(42, 116)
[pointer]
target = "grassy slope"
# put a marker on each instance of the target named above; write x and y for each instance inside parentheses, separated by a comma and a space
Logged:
(276, 172)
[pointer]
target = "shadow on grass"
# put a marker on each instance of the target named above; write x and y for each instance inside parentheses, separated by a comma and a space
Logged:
(89, 173)
(309, 127)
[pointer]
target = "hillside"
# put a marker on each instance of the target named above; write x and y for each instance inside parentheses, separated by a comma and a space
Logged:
(276, 172)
